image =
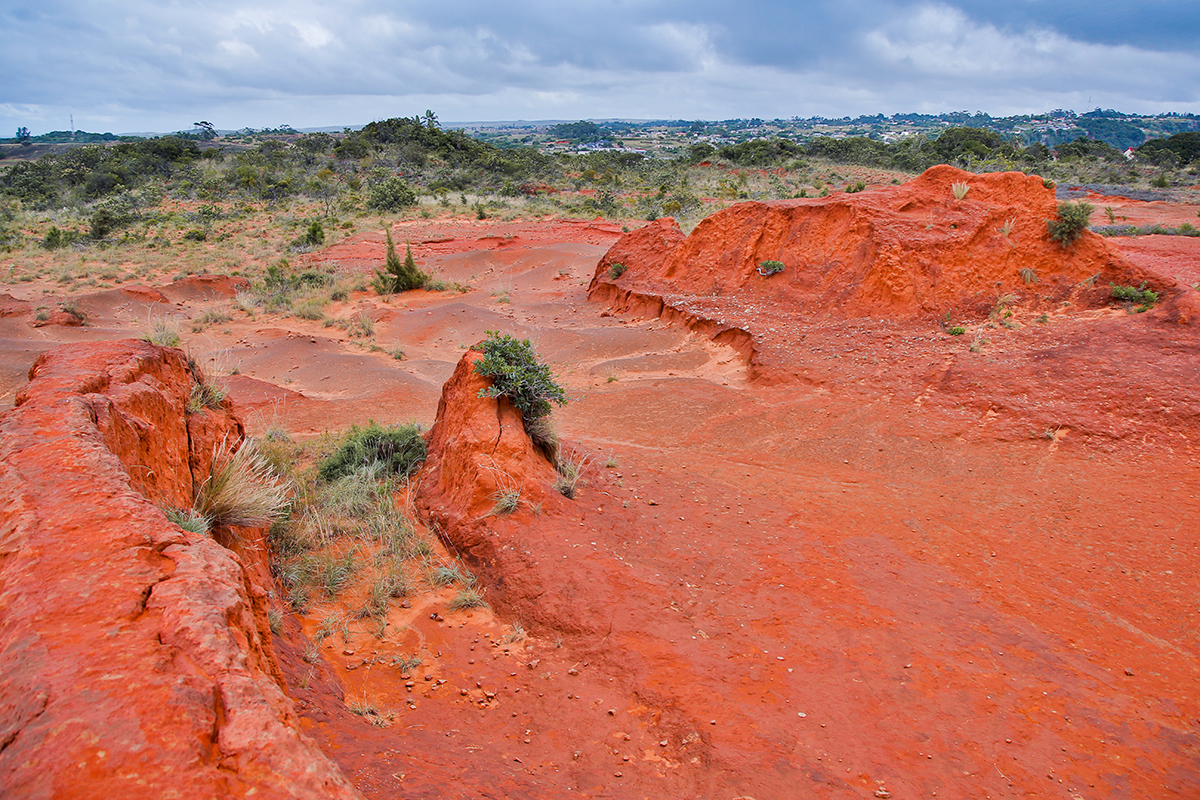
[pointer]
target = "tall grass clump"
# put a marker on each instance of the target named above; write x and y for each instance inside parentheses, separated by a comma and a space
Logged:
(242, 490)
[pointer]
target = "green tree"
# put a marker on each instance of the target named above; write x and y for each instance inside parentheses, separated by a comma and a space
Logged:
(397, 275)
(23, 135)
(391, 194)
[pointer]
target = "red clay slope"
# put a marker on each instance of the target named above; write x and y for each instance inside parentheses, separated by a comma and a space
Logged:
(899, 252)
(135, 656)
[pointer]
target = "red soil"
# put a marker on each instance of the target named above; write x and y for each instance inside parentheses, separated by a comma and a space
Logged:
(838, 552)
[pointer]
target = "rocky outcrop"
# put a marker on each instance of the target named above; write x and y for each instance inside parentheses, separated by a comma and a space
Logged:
(135, 657)
(478, 451)
(899, 252)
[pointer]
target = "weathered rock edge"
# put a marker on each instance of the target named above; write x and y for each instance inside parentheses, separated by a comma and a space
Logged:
(906, 252)
(135, 657)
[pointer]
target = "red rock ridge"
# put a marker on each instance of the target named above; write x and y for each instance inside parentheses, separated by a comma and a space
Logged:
(135, 657)
(900, 252)
(477, 448)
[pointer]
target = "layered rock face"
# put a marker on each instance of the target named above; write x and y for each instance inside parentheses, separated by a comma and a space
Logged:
(900, 252)
(135, 657)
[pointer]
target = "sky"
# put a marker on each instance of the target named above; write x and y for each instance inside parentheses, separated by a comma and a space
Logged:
(161, 65)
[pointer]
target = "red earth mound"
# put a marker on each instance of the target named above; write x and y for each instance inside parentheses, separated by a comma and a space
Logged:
(136, 656)
(479, 452)
(897, 252)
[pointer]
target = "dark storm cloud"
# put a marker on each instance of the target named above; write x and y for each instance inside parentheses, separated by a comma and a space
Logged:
(150, 65)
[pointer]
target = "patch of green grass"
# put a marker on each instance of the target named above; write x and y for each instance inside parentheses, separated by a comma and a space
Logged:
(507, 501)
(189, 520)
(399, 450)
(467, 598)
(956, 330)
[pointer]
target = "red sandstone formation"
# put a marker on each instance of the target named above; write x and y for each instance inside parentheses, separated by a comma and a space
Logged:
(478, 449)
(136, 657)
(899, 252)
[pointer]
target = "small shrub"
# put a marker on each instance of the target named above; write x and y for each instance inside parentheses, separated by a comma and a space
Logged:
(1071, 223)
(516, 374)
(391, 194)
(956, 330)
(616, 270)
(315, 235)
(1028, 275)
(1161, 182)
(56, 238)
(959, 190)
(397, 275)
(1130, 294)
(769, 267)
(854, 188)
(399, 450)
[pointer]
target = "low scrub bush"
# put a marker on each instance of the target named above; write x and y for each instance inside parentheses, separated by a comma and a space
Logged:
(399, 450)
(516, 374)
(1071, 223)
(1130, 294)
(770, 267)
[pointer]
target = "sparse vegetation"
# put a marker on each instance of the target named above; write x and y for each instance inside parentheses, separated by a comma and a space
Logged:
(242, 489)
(616, 270)
(770, 267)
(959, 190)
(1071, 223)
(518, 376)
(1141, 297)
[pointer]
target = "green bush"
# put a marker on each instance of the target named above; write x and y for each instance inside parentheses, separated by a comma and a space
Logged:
(1130, 294)
(315, 235)
(516, 374)
(397, 275)
(770, 267)
(956, 330)
(399, 449)
(391, 194)
(1071, 223)
(616, 270)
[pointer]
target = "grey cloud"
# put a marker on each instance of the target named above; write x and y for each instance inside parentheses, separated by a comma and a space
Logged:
(149, 62)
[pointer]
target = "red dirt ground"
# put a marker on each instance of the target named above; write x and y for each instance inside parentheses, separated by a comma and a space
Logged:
(872, 562)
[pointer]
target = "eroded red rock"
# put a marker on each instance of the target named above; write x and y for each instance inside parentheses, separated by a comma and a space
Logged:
(479, 451)
(136, 657)
(899, 252)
